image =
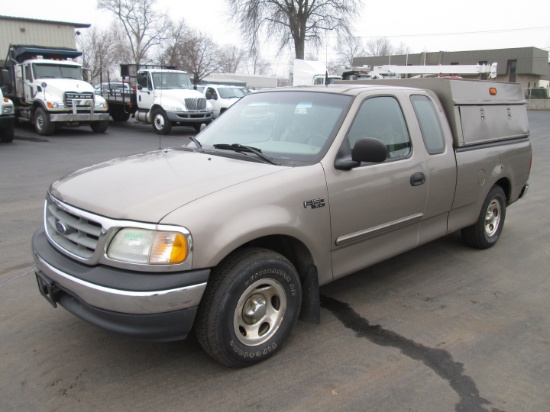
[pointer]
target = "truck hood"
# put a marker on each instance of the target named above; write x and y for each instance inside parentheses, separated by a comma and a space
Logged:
(60, 86)
(177, 95)
(146, 187)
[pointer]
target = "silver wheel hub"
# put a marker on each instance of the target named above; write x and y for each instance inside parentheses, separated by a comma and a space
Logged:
(159, 121)
(492, 218)
(259, 312)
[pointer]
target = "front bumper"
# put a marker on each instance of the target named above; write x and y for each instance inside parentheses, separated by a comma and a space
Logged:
(79, 117)
(147, 306)
(189, 117)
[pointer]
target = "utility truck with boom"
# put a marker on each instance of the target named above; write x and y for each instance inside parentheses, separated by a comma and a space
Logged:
(231, 234)
(48, 89)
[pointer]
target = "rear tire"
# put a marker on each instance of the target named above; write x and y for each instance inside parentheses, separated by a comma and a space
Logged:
(42, 122)
(250, 305)
(486, 231)
(161, 124)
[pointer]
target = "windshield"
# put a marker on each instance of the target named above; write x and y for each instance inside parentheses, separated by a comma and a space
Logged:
(171, 80)
(291, 127)
(230, 93)
(52, 71)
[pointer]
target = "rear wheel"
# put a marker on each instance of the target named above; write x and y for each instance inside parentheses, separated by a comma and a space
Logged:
(251, 303)
(120, 116)
(42, 122)
(161, 124)
(486, 231)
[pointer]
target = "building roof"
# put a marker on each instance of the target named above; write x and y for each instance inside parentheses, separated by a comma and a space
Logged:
(64, 23)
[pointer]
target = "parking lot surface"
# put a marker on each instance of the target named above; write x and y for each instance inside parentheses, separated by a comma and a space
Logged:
(441, 328)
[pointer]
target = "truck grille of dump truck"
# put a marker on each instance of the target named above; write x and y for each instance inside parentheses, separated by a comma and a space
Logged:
(70, 231)
(82, 101)
(195, 103)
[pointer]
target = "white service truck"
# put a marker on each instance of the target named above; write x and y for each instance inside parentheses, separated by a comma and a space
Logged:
(47, 87)
(311, 73)
(162, 96)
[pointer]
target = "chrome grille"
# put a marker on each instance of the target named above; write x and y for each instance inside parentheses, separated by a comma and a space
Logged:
(73, 233)
(195, 103)
(82, 99)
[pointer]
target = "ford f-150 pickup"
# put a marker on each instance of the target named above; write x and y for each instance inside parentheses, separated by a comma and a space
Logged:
(232, 234)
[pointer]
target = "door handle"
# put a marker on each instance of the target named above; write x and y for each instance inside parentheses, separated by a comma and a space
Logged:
(418, 179)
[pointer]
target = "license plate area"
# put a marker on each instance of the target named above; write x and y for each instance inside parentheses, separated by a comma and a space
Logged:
(47, 289)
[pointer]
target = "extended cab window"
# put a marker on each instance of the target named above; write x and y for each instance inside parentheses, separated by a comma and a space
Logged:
(382, 118)
(429, 124)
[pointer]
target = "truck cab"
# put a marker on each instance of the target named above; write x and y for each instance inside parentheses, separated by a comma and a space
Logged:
(166, 98)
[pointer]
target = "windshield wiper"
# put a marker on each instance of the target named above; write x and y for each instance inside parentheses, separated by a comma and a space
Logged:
(239, 148)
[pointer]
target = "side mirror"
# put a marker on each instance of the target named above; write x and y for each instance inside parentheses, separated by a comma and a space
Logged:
(370, 150)
(139, 87)
(366, 149)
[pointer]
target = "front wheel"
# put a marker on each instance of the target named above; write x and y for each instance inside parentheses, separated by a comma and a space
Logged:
(250, 305)
(99, 127)
(486, 231)
(161, 124)
(42, 122)
(7, 133)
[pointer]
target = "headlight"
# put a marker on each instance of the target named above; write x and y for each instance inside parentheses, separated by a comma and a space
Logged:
(7, 109)
(55, 105)
(174, 108)
(151, 247)
(100, 105)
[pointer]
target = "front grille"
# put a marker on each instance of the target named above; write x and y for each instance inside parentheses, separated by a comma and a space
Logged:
(82, 100)
(71, 232)
(195, 103)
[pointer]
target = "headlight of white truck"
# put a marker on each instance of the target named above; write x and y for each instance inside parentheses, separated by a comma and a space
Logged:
(100, 105)
(55, 105)
(174, 108)
(149, 247)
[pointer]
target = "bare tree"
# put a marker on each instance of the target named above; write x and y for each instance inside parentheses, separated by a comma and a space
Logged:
(231, 58)
(295, 22)
(144, 26)
(379, 47)
(177, 34)
(98, 53)
(199, 55)
(348, 48)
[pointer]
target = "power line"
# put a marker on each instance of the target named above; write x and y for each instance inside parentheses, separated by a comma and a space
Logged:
(462, 33)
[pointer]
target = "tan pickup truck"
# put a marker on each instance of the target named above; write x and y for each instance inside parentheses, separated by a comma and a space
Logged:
(232, 234)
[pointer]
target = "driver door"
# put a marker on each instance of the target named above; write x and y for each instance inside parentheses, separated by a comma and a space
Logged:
(376, 209)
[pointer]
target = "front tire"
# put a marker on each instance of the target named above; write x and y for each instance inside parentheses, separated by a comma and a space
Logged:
(42, 122)
(250, 305)
(99, 127)
(486, 231)
(7, 133)
(161, 124)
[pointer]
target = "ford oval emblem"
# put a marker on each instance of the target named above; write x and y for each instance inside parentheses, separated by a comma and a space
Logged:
(61, 227)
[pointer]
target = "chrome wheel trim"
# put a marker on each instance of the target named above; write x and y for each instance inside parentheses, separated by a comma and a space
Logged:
(492, 218)
(259, 312)
(159, 121)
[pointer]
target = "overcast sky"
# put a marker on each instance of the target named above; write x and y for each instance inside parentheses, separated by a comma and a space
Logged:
(426, 25)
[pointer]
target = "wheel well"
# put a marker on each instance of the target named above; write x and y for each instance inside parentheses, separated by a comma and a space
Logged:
(300, 257)
(505, 184)
(291, 248)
